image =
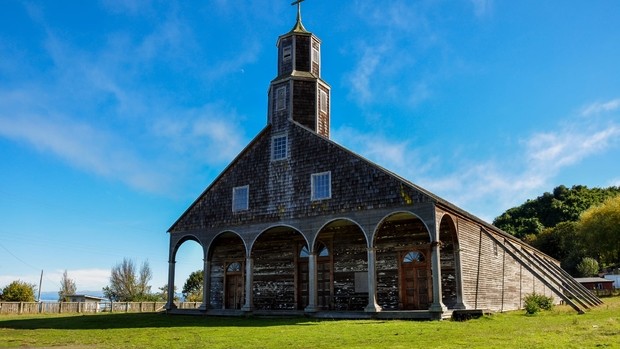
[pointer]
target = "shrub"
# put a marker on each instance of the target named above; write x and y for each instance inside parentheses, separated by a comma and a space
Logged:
(536, 302)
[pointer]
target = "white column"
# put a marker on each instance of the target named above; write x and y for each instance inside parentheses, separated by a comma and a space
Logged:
(372, 306)
(312, 284)
(437, 305)
(249, 278)
(170, 302)
(460, 303)
(206, 285)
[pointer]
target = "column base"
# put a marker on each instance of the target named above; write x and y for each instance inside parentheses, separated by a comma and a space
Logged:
(437, 308)
(246, 308)
(170, 306)
(311, 309)
(373, 308)
(203, 307)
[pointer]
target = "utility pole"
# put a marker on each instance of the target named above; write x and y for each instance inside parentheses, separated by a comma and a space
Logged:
(40, 282)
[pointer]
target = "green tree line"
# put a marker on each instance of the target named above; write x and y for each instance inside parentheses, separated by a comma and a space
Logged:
(570, 224)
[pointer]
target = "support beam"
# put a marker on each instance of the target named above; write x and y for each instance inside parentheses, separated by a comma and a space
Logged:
(206, 285)
(249, 279)
(170, 302)
(520, 257)
(372, 306)
(437, 306)
(312, 284)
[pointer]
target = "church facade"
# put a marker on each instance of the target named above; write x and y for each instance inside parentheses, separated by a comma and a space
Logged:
(299, 224)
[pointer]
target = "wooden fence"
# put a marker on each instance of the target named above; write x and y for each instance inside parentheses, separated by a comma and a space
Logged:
(87, 307)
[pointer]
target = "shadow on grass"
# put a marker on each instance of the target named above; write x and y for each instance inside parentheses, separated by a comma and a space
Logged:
(143, 320)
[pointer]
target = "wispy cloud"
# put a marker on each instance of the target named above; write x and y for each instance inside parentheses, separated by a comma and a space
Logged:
(91, 108)
(601, 107)
(488, 187)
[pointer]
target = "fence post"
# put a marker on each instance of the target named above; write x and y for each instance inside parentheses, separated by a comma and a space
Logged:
(19, 308)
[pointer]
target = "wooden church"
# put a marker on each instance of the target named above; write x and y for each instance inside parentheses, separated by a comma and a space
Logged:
(298, 224)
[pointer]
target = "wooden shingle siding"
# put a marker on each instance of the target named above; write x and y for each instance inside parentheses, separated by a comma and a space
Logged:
(280, 190)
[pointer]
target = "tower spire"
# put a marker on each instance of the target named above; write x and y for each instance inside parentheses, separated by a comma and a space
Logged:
(299, 27)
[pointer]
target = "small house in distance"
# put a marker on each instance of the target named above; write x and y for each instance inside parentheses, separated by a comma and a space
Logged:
(599, 286)
(298, 224)
(82, 298)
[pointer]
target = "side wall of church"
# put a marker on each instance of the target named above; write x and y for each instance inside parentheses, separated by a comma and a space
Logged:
(492, 278)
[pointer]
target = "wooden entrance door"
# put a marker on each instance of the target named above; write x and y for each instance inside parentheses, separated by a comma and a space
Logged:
(415, 281)
(324, 283)
(324, 278)
(233, 291)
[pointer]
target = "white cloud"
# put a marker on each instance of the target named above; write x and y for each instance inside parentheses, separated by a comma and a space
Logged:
(488, 187)
(601, 107)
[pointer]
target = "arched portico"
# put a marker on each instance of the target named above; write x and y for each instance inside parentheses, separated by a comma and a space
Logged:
(224, 277)
(402, 245)
(174, 248)
(451, 281)
(272, 265)
(337, 268)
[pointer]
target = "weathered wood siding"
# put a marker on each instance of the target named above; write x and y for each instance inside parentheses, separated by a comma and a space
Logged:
(280, 190)
(492, 279)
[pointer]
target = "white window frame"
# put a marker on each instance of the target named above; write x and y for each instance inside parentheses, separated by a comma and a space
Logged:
(315, 190)
(323, 101)
(287, 53)
(241, 198)
(281, 98)
(279, 149)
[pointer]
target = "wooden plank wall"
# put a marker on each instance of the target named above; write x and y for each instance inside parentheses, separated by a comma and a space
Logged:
(492, 279)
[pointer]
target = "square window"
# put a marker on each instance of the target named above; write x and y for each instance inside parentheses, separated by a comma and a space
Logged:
(323, 101)
(321, 186)
(281, 98)
(279, 148)
(286, 54)
(240, 201)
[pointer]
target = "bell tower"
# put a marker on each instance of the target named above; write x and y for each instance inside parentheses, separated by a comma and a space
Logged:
(298, 93)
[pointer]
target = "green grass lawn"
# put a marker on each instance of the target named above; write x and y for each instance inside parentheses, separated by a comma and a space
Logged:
(559, 328)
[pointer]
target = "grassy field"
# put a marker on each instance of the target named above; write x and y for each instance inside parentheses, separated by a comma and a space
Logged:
(559, 328)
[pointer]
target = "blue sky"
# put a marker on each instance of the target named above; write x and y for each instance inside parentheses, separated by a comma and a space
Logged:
(116, 114)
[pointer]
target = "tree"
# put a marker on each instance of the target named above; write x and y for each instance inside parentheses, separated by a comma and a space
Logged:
(18, 291)
(128, 285)
(67, 287)
(163, 294)
(599, 227)
(562, 243)
(587, 267)
(192, 290)
(550, 209)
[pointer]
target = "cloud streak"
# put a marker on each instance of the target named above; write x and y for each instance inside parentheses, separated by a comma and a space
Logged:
(486, 188)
